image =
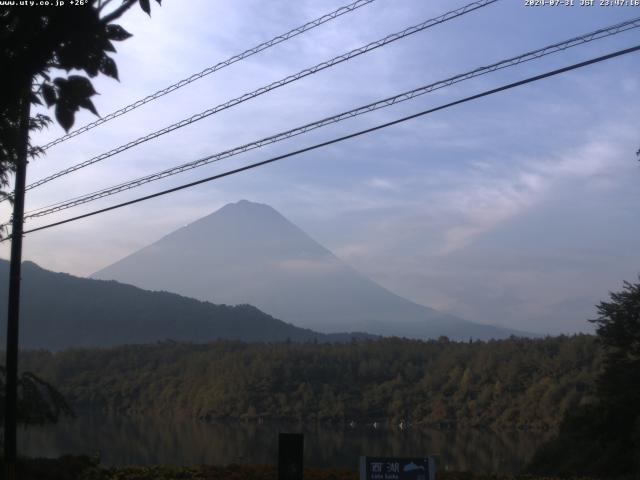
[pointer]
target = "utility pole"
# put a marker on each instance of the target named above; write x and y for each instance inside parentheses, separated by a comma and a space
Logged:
(13, 318)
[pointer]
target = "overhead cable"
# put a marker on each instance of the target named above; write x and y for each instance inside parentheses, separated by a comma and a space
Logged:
(272, 86)
(517, 60)
(214, 68)
(343, 138)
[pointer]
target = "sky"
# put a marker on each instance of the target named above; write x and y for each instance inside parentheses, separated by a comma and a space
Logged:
(519, 209)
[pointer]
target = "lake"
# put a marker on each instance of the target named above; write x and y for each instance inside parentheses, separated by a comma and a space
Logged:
(123, 440)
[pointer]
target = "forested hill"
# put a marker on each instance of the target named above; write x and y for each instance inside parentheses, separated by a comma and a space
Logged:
(62, 311)
(505, 384)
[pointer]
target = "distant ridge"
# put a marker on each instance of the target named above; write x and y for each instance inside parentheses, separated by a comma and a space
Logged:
(61, 311)
(248, 253)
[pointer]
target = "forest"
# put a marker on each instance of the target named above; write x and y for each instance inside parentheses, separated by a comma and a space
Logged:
(504, 385)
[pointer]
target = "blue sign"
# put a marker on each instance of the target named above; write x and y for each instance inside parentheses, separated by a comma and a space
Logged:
(397, 468)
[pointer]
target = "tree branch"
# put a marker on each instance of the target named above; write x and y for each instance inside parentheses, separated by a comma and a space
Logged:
(102, 4)
(117, 13)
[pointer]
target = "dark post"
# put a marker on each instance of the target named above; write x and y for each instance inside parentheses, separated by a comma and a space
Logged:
(11, 385)
(290, 456)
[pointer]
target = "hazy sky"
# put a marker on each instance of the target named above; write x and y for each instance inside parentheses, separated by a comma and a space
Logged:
(519, 209)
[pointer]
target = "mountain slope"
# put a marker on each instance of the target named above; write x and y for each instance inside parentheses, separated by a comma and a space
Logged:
(60, 311)
(249, 253)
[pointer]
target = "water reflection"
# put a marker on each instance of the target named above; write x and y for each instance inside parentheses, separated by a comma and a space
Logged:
(151, 440)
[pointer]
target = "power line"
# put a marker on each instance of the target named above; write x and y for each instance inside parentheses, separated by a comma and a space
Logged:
(214, 68)
(529, 56)
(340, 139)
(262, 90)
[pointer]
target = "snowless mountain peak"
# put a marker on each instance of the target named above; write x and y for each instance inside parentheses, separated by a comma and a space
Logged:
(248, 253)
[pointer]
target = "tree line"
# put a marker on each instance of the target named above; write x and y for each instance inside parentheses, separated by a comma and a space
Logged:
(508, 384)
(602, 438)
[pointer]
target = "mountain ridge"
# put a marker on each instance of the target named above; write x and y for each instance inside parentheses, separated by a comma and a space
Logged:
(59, 311)
(247, 252)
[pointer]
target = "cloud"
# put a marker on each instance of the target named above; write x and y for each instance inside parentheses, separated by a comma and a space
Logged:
(491, 196)
(381, 183)
(413, 205)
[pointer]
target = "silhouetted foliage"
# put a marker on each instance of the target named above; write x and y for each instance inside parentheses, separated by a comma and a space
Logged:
(507, 384)
(36, 40)
(38, 401)
(618, 329)
(603, 439)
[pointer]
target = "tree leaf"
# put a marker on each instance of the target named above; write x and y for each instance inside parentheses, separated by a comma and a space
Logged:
(35, 100)
(117, 33)
(144, 5)
(49, 94)
(76, 53)
(107, 46)
(39, 122)
(65, 115)
(108, 67)
(79, 87)
(88, 104)
(92, 63)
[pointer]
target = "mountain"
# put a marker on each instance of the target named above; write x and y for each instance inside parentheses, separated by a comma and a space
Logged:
(60, 311)
(248, 253)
